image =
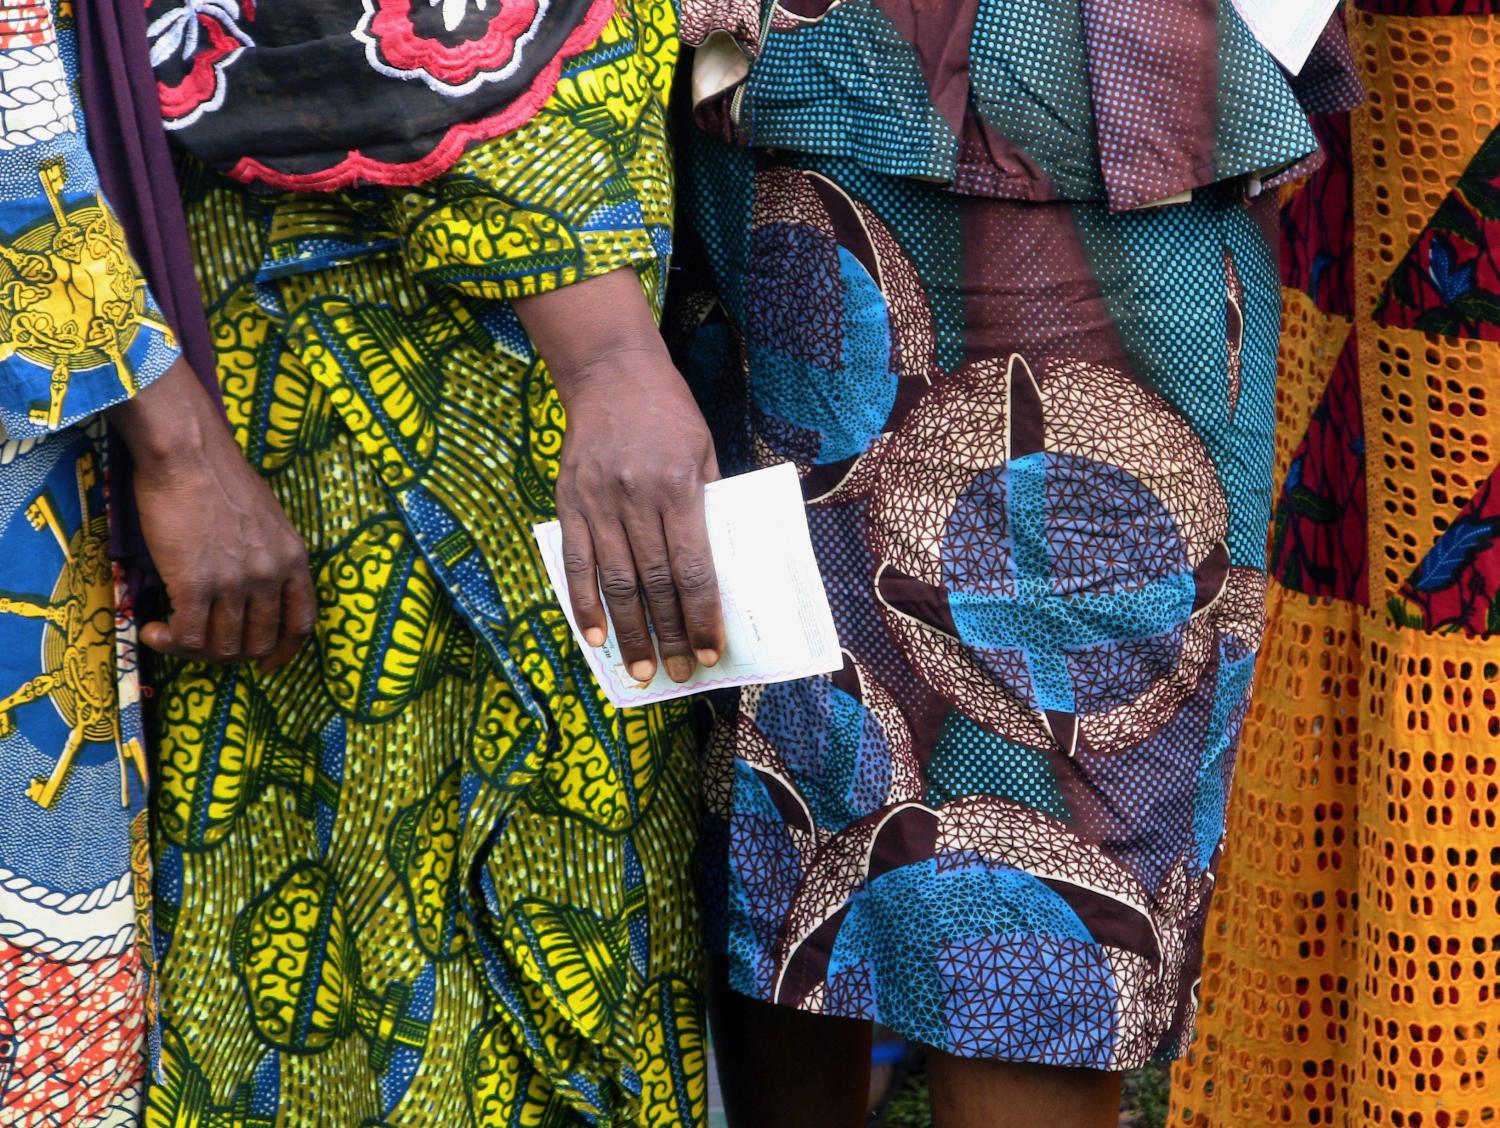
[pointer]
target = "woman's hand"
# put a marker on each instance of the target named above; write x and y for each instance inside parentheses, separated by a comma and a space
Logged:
(235, 570)
(635, 459)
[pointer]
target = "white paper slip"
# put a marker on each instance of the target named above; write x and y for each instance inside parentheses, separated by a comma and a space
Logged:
(777, 622)
(1287, 28)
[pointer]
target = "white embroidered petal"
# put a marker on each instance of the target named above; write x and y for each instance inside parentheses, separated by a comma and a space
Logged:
(166, 36)
(190, 40)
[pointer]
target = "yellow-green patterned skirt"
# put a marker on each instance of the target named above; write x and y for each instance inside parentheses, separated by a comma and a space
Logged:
(426, 875)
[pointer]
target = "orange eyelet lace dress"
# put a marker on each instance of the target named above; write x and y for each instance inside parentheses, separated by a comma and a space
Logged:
(1353, 954)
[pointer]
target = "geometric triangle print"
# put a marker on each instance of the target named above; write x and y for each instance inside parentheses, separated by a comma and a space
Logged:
(1457, 584)
(1449, 282)
(1318, 535)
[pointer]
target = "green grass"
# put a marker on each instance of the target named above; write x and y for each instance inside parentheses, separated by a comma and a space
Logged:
(909, 1107)
(1147, 1094)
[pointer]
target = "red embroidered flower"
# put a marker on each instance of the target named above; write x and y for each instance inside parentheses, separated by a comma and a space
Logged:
(200, 86)
(473, 46)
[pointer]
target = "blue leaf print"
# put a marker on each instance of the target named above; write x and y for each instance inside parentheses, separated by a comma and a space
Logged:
(1293, 475)
(1320, 263)
(1452, 281)
(1453, 551)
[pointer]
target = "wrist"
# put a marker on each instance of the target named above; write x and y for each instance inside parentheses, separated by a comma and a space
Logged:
(595, 333)
(624, 370)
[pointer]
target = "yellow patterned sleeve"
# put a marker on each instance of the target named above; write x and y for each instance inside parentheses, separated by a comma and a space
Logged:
(582, 189)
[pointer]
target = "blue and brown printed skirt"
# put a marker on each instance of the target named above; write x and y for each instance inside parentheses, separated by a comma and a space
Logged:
(1035, 442)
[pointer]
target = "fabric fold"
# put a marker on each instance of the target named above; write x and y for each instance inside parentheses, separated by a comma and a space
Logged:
(1130, 104)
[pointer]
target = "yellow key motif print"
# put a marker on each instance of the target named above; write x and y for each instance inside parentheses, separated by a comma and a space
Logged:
(69, 297)
(77, 645)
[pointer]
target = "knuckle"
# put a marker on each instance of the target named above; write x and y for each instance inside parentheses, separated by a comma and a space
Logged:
(191, 589)
(189, 641)
(672, 637)
(630, 482)
(632, 639)
(619, 585)
(572, 484)
(680, 483)
(695, 572)
(658, 583)
(575, 563)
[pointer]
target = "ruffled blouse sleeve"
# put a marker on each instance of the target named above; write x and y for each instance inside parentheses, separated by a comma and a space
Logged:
(1184, 96)
(1127, 102)
(79, 329)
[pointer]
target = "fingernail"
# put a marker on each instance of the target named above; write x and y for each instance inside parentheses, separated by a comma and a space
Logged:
(707, 657)
(679, 669)
(643, 671)
(594, 637)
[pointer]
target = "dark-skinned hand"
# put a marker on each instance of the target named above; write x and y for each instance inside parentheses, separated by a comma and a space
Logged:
(235, 570)
(634, 462)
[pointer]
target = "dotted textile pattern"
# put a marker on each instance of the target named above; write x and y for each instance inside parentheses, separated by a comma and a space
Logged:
(1017, 99)
(873, 115)
(1031, 45)
(1352, 959)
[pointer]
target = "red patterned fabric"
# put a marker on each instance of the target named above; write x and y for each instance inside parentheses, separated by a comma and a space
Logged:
(1317, 234)
(1457, 585)
(98, 1007)
(1449, 281)
(1318, 539)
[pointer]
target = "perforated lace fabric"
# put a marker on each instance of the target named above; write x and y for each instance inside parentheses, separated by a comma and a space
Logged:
(1353, 953)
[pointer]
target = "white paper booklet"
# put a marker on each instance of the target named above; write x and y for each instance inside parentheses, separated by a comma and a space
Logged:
(1287, 28)
(777, 622)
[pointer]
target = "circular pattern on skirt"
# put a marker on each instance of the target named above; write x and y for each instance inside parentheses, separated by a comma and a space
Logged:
(1047, 569)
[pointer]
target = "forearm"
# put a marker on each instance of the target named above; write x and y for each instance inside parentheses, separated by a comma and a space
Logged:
(578, 330)
(172, 419)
